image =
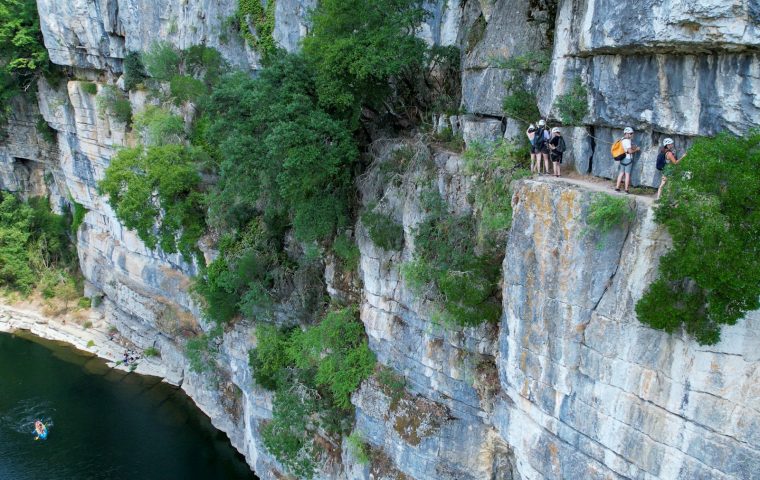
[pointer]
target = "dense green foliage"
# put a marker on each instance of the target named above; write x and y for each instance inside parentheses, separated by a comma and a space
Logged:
(162, 61)
(247, 274)
(77, 216)
(157, 192)
(22, 53)
(159, 127)
(283, 155)
(384, 231)
(34, 246)
(113, 102)
(313, 372)
(573, 105)
(251, 13)
(448, 267)
(493, 167)
(202, 351)
(711, 276)
(90, 88)
(134, 71)
(607, 212)
(357, 46)
(347, 251)
(520, 102)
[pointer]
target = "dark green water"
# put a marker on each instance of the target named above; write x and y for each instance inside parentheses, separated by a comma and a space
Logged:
(102, 424)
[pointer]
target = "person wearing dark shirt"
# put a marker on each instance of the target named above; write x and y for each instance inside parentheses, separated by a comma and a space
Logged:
(556, 150)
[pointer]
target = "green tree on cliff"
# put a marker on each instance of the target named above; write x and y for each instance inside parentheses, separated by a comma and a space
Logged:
(22, 53)
(711, 276)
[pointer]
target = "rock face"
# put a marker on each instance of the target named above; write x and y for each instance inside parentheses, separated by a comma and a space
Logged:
(568, 384)
(592, 393)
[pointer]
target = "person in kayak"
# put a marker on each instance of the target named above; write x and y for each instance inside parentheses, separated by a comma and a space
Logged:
(40, 430)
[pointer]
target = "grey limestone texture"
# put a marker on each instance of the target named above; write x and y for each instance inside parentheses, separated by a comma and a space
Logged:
(568, 384)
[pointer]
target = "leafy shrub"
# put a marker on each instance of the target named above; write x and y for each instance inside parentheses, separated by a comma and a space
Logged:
(185, 88)
(337, 349)
(358, 448)
(159, 127)
(270, 356)
(23, 56)
(289, 436)
(493, 167)
(45, 130)
(34, 245)
(113, 102)
(202, 351)
(134, 71)
(392, 383)
(90, 344)
(357, 46)
(607, 212)
(522, 105)
(534, 61)
(251, 13)
(347, 251)
(151, 352)
(313, 373)
(384, 231)
(573, 105)
(711, 276)
(84, 303)
(156, 192)
(90, 88)
(77, 216)
(243, 277)
(281, 151)
(162, 61)
(446, 264)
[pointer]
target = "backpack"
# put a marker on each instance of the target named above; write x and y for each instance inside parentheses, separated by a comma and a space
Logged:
(538, 139)
(560, 148)
(617, 150)
(662, 159)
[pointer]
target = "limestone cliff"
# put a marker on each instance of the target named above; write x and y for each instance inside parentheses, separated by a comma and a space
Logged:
(568, 384)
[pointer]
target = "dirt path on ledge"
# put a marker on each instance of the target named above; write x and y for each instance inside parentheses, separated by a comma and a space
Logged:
(603, 185)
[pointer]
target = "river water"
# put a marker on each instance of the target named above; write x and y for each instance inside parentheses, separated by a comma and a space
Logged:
(103, 424)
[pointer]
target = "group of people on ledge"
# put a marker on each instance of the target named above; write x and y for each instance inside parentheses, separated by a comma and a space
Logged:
(545, 146)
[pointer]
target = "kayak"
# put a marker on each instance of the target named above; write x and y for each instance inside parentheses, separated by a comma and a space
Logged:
(43, 435)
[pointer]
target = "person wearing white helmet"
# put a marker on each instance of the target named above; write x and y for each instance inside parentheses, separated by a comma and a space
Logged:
(626, 163)
(556, 149)
(541, 145)
(666, 156)
(535, 157)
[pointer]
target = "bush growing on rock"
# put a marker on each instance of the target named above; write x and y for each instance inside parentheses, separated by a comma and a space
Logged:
(357, 46)
(157, 192)
(447, 266)
(711, 276)
(385, 232)
(23, 56)
(34, 246)
(313, 373)
(573, 105)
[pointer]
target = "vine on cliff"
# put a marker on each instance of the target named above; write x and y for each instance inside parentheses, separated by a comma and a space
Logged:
(711, 276)
(251, 13)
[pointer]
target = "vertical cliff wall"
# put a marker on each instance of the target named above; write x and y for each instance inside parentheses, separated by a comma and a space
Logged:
(567, 384)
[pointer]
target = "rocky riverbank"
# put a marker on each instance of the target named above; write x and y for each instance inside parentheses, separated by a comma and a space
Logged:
(97, 338)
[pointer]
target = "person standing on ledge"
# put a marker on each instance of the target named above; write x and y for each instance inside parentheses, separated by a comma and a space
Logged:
(556, 149)
(665, 158)
(541, 144)
(535, 157)
(626, 164)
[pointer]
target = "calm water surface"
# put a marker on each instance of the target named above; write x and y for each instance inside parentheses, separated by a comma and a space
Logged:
(102, 424)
